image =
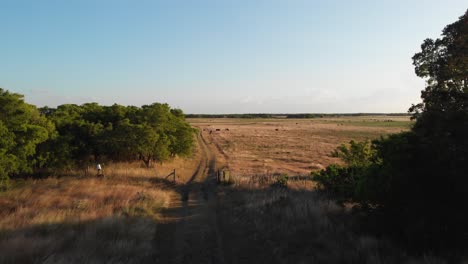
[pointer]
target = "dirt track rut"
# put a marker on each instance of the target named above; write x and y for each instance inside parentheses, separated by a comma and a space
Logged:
(190, 232)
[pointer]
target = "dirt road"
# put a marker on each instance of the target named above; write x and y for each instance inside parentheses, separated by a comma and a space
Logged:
(189, 232)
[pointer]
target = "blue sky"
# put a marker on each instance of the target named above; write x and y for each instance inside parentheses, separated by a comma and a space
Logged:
(241, 56)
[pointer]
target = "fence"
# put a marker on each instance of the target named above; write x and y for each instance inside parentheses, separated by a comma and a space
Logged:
(223, 176)
(173, 174)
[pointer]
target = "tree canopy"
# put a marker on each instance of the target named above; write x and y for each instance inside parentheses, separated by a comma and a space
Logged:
(72, 135)
(418, 179)
(442, 117)
(91, 132)
(22, 128)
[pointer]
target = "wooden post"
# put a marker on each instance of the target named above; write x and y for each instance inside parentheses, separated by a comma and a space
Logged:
(226, 176)
(174, 175)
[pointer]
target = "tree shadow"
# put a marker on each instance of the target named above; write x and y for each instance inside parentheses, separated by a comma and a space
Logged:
(252, 223)
(115, 238)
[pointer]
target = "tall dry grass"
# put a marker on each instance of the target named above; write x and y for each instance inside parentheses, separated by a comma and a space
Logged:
(80, 218)
(297, 225)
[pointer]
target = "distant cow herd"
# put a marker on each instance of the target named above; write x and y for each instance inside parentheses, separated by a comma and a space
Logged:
(217, 129)
(226, 129)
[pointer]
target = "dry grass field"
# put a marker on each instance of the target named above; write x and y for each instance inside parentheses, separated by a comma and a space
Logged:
(292, 146)
(137, 215)
(75, 217)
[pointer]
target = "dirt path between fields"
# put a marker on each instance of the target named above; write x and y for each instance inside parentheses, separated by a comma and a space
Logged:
(189, 232)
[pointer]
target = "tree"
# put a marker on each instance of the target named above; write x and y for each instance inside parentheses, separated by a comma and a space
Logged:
(442, 117)
(119, 133)
(7, 160)
(440, 144)
(444, 65)
(79, 132)
(181, 136)
(22, 128)
(418, 179)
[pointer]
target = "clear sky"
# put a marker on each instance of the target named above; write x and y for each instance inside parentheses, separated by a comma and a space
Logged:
(232, 56)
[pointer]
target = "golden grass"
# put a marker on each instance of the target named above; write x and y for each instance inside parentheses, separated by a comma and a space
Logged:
(297, 224)
(80, 218)
(77, 217)
(69, 200)
(292, 146)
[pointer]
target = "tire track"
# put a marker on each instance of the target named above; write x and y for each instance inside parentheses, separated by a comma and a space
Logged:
(195, 233)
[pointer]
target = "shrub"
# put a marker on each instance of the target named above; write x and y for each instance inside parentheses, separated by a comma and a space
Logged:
(4, 181)
(281, 181)
(356, 154)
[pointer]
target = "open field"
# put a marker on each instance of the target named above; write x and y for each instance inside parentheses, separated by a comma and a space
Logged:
(137, 215)
(292, 146)
(75, 217)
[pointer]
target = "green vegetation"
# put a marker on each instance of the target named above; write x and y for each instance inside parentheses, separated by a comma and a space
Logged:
(357, 154)
(374, 123)
(281, 181)
(95, 133)
(417, 180)
(351, 183)
(22, 128)
(36, 140)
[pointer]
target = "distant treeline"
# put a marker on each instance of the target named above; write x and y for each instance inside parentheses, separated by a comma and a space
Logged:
(36, 139)
(302, 115)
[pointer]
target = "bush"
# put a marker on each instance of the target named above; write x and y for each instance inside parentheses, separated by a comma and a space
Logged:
(281, 181)
(415, 195)
(4, 181)
(356, 154)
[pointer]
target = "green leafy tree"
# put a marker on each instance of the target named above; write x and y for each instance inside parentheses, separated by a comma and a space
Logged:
(355, 182)
(145, 143)
(171, 135)
(439, 145)
(8, 162)
(419, 178)
(442, 117)
(444, 64)
(78, 138)
(22, 128)
(91, 132)
(181, 136)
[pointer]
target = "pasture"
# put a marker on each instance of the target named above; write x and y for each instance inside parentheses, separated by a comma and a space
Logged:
(292, 146)
(139, 215)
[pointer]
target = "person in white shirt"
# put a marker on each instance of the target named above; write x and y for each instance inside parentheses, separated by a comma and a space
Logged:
(99, 170)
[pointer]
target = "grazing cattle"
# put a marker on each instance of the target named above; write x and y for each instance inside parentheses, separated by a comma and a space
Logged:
(218, 129)
(211, 131)
(227, 129)
(277, 129)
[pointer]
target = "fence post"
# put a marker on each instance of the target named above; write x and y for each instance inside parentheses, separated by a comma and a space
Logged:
(174, 175)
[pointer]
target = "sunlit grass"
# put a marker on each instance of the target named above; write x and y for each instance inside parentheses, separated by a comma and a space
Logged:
(83, 218)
